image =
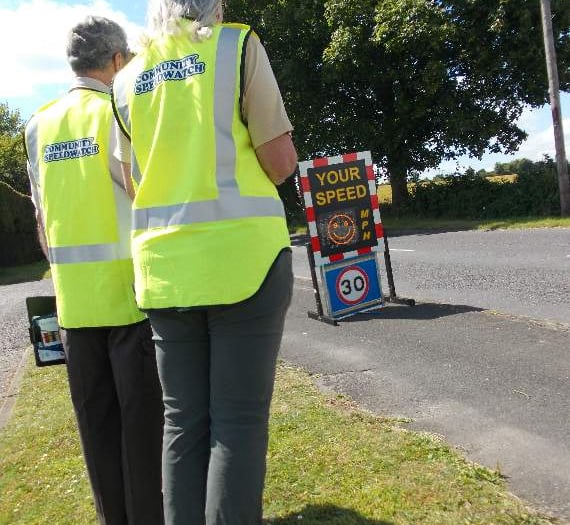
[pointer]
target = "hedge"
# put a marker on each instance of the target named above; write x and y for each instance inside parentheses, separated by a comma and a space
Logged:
(18, 231)
(466, 197)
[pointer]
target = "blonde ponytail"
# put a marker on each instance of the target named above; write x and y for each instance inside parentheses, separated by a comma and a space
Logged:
(164, 17)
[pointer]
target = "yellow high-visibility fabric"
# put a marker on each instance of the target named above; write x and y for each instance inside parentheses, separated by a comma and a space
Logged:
(172, 127)
(70, 138)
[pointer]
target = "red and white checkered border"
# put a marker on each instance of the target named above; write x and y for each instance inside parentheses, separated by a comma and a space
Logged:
(310, 210)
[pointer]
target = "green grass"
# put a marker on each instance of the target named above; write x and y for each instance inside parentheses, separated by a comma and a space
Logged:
(329, 463)
(28, 272)
(526, 222)
(42, 478)
(412, 223)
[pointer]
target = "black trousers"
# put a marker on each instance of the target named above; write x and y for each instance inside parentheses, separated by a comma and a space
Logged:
(117, 399)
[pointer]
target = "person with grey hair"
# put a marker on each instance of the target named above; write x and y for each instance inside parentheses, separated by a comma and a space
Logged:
(204, 139)
(83, 215)
(94, 43)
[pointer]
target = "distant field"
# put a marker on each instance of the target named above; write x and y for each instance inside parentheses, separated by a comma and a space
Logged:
(384, 191)
(502, 178)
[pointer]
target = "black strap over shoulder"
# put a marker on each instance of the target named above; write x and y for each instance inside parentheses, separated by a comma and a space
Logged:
(242, 72)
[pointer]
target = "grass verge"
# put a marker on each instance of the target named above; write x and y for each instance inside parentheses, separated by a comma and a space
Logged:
(517, 223)
(402, 224)
(528, 222)
(22, 274)
(328, 463)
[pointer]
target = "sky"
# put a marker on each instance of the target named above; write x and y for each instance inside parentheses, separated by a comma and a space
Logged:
(32, 39)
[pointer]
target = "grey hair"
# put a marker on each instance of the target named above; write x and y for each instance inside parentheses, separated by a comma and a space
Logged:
(92, 43)
(164, 17)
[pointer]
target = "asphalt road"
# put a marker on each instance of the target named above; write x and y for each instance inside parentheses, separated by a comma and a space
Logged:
(522, 272)
(496, 385)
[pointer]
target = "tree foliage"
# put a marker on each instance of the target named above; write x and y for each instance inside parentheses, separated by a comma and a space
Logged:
(526, 167)
(414, 81)
(12, 155)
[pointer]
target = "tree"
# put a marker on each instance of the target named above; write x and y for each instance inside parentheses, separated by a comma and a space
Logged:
(527, 168)
(554, 90)
(12, 155)
(415, 81)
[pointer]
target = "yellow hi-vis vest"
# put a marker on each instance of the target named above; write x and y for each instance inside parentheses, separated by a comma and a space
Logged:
(67, 143)
(207, 221)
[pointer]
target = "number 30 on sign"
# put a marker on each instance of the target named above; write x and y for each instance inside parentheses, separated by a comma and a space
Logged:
(353, 285)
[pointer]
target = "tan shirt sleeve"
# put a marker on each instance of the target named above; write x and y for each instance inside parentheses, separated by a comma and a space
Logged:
(262, 105)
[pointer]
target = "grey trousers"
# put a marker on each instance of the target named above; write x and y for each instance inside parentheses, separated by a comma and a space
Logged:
(217, 369)
(116, 395)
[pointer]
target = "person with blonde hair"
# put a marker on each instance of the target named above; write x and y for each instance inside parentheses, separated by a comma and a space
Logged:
(204, 139)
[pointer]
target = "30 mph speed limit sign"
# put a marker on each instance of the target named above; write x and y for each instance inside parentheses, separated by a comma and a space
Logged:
(353, 285)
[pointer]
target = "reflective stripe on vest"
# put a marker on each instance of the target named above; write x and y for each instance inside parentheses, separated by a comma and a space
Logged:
(230, 204)
(86, 253)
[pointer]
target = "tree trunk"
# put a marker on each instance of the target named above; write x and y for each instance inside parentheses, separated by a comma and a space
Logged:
(554, 89)
(399, 185)
(395, 165)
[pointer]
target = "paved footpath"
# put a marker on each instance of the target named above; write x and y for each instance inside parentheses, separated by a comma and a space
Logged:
(14, 336)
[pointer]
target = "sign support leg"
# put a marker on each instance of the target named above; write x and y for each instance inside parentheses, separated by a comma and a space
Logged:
(319, 315)
(393, 298)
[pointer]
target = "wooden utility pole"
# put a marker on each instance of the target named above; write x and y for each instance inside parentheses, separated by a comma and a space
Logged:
(554, 89)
